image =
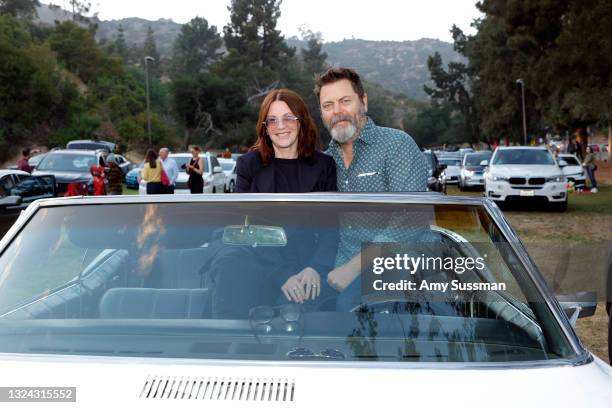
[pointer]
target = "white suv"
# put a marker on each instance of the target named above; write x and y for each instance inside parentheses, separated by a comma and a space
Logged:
(526, 173)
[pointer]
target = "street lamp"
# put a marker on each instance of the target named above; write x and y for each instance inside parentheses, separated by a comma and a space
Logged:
(146, 61)
(522, 83)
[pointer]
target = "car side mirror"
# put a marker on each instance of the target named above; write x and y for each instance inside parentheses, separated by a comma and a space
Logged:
(578, 305)
(10, 201)
(484, 163)
(562, 163)
(217, 169)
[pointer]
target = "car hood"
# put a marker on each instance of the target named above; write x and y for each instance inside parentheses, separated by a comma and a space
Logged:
(66, 176)
(519, 170)
(452, 171)
(121, 382)
(133, 173)
(572, 169)
(474, 168)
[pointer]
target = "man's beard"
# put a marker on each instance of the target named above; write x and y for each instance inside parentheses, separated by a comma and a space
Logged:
(343, 134)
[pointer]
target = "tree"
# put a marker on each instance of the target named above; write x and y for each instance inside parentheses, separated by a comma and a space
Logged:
(79, 9)
(149, 49)
(313, 57)
(76, 47)
(258, 57)
(121, 47)
(196, 48)
(205, 104)
(19, 8)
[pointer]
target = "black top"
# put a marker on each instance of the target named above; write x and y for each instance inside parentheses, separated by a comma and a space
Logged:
(317, 173)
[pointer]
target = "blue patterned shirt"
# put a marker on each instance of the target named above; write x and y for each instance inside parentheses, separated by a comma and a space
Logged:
(384, 160)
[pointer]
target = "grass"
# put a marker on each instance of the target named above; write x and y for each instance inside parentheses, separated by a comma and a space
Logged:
(599, 203)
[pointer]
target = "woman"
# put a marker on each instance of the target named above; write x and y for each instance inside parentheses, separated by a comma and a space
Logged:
(114, 175)
(284, 159)
(151, 173)
(590, 166)
(195, 169)
(97, 173)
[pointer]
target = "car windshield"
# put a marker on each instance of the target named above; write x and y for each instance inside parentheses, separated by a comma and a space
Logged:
(475, 159)
(438, 283)
(67, 162)
(88, 146)
(570, 160)
(227, 166)
(181, 160)
(523, 157)
(450, 162)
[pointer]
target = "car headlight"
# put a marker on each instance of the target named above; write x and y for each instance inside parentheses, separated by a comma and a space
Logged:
(576, 174)
(497, 178)
(555, 179)
(468, 173)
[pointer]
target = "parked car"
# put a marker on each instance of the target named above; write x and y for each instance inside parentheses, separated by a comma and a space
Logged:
(434, 173)
(573, 170)
(108, 147)
(229, 168)
(520, 173)
(117, 291)
(70, 167)
(472, 171)
(214, 178)
(124, 164)
(452, 172)
(18, 189)
(131, 178)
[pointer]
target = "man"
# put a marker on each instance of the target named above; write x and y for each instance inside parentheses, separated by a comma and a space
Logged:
(170, 168)
(22, 164)
(369, 158)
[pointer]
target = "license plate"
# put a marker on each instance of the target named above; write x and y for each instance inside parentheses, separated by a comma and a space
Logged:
(527, 193)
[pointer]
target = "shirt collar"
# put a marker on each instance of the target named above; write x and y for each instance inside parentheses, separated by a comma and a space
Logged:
(366, 135)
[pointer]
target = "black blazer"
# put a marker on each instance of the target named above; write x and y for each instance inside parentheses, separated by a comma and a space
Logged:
(317, 173)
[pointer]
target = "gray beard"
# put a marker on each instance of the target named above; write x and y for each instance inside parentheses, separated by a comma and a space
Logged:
(344, 134)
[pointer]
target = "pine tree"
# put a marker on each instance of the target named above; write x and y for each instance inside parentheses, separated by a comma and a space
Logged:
(196, 48)
(121, 47)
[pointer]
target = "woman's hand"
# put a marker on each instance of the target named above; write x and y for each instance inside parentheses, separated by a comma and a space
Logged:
(293, 290)
(311, 282)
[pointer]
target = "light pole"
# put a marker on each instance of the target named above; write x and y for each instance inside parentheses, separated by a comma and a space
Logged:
(522, 83)
(146, 61)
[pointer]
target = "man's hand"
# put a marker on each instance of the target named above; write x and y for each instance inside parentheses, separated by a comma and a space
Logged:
(342, 276)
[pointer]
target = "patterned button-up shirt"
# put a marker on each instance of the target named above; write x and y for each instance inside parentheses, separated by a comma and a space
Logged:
(384, 160)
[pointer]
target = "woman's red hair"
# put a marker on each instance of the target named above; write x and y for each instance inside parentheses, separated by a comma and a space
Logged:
(307, 136)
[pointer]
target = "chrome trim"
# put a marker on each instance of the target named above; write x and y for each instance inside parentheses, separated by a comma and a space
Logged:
(519, 248)
(173, 362)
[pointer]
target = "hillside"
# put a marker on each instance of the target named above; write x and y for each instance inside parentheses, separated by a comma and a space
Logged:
(397, 66)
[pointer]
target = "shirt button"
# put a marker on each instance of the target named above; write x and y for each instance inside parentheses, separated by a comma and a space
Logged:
(346, 182)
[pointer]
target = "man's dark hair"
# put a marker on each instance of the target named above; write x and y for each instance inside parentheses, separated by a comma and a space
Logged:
(26, 151)
(336, 74)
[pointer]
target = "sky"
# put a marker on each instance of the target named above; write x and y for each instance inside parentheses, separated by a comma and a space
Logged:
(393, 20)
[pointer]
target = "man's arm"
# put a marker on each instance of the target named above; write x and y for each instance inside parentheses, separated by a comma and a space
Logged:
(405, 166)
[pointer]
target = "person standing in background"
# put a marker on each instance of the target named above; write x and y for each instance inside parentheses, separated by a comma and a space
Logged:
(22, 164)
(195, 169)
(170, 167)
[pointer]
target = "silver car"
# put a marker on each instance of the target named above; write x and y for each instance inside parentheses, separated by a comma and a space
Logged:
(123, 301)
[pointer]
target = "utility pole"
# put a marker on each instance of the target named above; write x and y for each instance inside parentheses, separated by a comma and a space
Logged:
(146, 61)
(522, 83)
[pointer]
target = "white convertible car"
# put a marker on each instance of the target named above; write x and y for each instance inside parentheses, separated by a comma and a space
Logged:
(176, 301)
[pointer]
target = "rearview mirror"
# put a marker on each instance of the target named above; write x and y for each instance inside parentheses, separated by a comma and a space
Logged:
(484, 163)
(254, 235)
(578, 305)
(10, 201)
